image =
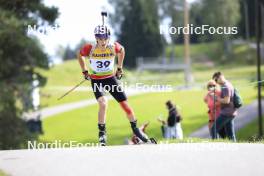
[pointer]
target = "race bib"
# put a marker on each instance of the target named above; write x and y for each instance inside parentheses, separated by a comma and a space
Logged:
(102, 65)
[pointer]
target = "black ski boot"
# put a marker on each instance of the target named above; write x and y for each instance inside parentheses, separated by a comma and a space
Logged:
(142, 136)
(102, 135)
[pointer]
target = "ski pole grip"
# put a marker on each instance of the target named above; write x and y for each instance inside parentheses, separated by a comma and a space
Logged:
(104, 14)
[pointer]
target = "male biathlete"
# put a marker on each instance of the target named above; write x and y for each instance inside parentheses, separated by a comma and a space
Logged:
(101, 71)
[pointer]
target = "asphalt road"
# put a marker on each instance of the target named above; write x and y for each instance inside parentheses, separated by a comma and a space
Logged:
(187, 159)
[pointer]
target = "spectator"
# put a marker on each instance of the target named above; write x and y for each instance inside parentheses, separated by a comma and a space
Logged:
(213, 106)
(172, 128)
(227, 111)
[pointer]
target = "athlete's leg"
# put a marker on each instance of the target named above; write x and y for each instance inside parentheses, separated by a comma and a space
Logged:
(133, 121)
(128, 110)
(102, 102)
(120, 96)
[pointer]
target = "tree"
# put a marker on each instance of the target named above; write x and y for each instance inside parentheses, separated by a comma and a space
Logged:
(20, 55)
(248, 5)
(69, 53)
(172, 10)
(197, 19)
(139, 30)
(116, 19)
(224, 13)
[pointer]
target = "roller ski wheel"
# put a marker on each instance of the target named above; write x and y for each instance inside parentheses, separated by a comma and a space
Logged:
(150, 141)
(102, 139)
(153, 140)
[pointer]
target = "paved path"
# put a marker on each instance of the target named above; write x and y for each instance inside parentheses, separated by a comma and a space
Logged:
(245, 115)
(218, 159)
(54, 110)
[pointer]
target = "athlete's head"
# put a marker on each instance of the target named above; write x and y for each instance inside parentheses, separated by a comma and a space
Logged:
(102, 35)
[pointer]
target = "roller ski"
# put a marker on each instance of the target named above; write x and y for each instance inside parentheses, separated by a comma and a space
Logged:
(140, 137)
(150, 141)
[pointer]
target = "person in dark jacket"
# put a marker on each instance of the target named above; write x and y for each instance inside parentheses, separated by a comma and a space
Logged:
(172, 127)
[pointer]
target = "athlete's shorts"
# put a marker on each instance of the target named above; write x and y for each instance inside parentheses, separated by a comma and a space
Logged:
(100, 86)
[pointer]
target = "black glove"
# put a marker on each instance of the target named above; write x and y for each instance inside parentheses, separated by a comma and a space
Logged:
(119, 73)
(86, 75)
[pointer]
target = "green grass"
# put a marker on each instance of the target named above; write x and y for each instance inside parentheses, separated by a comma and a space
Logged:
(81, 124)
(2, 173)
(49, 96)
(250, 132)
(243, 54)
(60, 81)
(63, 74)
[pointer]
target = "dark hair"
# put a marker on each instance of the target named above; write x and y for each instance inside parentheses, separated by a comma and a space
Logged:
(169, 104)
(216, 75)
(174, 115)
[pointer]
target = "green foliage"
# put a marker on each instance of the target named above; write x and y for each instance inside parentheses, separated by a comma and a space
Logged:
(173, 9)
(19, 56)
(205, 12)
(30, 10)
(221, 12)
(139, 30)
(211, 51)
(224, 13)
(116, 19)
(13, 132)
(249, 6)
(69, 53)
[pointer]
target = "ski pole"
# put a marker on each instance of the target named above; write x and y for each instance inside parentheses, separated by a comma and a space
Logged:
(103, 14)
(72, 89)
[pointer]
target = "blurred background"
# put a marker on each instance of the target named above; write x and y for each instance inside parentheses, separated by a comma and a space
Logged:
(38, 44)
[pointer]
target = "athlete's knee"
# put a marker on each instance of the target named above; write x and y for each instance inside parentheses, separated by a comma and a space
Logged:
(102, 101)
(126, 107)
